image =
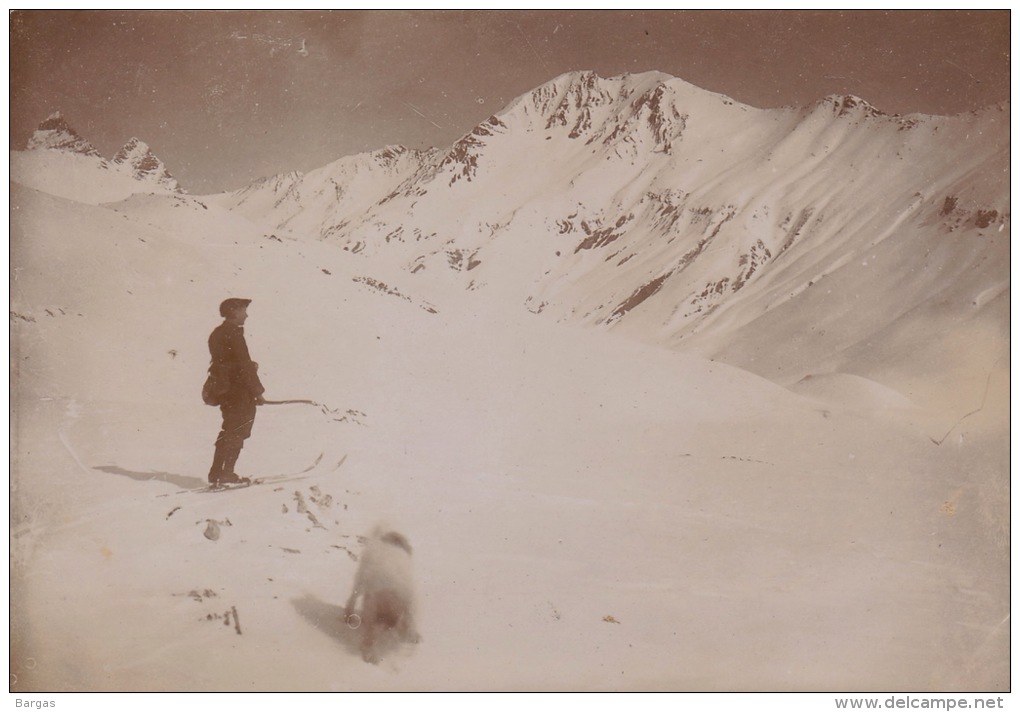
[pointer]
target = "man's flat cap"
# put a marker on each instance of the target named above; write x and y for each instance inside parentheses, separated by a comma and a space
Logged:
(229, 305)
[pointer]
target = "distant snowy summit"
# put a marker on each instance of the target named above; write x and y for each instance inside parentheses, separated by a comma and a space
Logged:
(58, 160)
(144, 166)
(56, 134)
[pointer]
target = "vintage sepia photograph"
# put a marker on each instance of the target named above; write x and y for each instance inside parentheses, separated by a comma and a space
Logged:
(481, 351)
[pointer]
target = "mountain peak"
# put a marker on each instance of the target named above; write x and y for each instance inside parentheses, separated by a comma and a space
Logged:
(132, 145)
(53, 121)
(55, 134)
(849, 104)
(136, 157)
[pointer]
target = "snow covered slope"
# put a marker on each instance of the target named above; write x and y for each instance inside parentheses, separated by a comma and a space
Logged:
(588, 510)
(317, 204)
(684, 219)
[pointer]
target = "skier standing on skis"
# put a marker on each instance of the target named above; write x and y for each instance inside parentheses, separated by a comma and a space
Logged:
(234, 386)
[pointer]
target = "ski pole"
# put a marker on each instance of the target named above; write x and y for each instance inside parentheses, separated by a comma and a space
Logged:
(350, 415)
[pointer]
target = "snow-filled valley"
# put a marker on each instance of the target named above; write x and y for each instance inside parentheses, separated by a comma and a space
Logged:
(618, 469)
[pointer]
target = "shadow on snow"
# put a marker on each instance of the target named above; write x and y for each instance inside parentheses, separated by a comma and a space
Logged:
(182, 481)
(328, 618)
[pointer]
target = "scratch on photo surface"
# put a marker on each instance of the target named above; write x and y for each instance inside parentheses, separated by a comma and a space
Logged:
(532, 47)
(954, 64)
(274, 43)
(418, 111)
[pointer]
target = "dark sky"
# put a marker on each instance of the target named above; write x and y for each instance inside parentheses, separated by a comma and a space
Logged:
(227, 97)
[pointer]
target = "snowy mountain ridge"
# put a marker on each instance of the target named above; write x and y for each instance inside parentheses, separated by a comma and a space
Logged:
(677, 216)
(644, 204)
(323, 199)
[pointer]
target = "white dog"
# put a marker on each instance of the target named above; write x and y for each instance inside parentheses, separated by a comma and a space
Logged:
(385, 584)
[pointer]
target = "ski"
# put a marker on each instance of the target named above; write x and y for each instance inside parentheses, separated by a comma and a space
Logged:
(227, 486)
(252, 482)
(267, 480)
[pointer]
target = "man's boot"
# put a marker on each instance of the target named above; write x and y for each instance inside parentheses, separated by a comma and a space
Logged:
(219, 458)
(233, 451)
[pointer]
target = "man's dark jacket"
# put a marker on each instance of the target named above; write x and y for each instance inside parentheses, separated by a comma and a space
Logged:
(233, 376)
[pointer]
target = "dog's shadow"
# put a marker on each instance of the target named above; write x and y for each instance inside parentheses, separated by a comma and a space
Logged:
(328, 618)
